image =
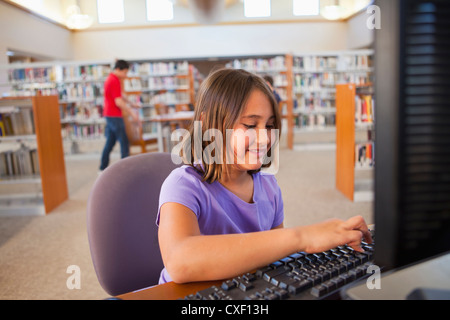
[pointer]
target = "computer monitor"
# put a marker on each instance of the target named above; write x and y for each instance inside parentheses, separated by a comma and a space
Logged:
(412, 131)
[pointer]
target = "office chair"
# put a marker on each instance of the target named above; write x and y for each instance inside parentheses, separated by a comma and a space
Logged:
(121, 215)
(136, 136)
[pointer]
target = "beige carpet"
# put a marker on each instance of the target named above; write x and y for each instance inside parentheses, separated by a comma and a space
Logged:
(35, 252)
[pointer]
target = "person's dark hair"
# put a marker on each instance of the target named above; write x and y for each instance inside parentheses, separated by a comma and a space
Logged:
(121, 65)
(269, 79)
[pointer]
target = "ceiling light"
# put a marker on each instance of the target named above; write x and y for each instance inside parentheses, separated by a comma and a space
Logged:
(331, 10)
(77, 20)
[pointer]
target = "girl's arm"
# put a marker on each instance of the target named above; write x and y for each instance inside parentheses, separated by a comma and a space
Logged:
(189, 256)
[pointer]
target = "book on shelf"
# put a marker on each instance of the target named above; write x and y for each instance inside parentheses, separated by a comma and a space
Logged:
(315, 121)
(275, 64)
(81, 72)
(16, 121)
(83, 131)
(364, 109)
(21, 162)
(354, 62)
(314, 63)
(158, 68)
(364, 155)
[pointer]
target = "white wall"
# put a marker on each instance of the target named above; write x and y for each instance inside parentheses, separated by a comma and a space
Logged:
(359, 35)
(25, 32)
(210, 41)
(22, 31)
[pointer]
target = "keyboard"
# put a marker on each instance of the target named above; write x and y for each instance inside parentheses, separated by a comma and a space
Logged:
(299, 276)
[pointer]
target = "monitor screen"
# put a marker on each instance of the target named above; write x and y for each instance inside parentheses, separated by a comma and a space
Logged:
(412, 131)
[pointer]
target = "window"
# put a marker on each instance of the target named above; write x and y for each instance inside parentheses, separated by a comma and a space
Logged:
(306, 7)
(110, 11)
(256, 8)
(158, 10)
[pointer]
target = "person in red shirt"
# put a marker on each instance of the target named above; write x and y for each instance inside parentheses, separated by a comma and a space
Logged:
(115, 103)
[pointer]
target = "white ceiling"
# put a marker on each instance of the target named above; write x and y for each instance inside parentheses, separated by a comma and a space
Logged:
(185, 11)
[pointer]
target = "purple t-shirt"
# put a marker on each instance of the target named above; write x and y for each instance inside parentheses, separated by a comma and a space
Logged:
(218, 210)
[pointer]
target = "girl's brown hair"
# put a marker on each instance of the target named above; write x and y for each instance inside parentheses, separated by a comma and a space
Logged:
(221, 99)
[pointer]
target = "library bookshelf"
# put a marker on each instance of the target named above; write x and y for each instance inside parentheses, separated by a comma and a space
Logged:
(355, 114)
(79, 87)
(33, 177)
(307, 86)
(315, 78)
(305, 81)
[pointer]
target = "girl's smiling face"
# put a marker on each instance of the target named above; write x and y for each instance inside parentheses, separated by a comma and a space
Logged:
(251, 136)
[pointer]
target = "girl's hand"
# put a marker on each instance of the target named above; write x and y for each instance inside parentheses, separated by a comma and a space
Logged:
(332, 233)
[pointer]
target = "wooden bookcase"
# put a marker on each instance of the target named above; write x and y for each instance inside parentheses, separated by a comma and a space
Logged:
(348, 122)
(51, 172)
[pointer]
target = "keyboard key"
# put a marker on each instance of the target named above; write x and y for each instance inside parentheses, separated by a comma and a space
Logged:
(338, 281)
(245, 285)
(276, 264)
(249, 277)
(260, 272)
(272, 296)
(283, 281)
(319, 291)
(273, 273)
(228, 285)
(299, 286)
(282, 293)
(287, 260)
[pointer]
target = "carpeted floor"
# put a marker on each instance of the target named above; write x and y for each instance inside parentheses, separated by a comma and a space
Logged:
(35, 252)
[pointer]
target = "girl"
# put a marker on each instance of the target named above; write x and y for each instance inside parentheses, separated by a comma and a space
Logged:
(220, 219)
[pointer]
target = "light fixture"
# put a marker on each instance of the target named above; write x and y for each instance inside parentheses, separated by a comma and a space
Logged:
(331, 9)
(77, 20)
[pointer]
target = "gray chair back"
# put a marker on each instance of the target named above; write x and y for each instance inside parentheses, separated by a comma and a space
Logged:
(121, 215)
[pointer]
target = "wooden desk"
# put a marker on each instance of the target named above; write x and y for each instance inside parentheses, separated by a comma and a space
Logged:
(168, 118)
(168, 291)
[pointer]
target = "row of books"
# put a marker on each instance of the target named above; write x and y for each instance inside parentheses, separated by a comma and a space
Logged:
(76, 131)
(59, 73)
(357, 78)
(346, 62)
(315, 63)
(315, 120)
(83, 73)
(355, 62)
(31, 75)
(154, 84)
(80, 91)
(314, 81)
(158, 68)
(364, 108)
(277, 63)
(315, 103)
(21, 162)
(169, 97)
(80, 112)
(364, 155)
(16, 121)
